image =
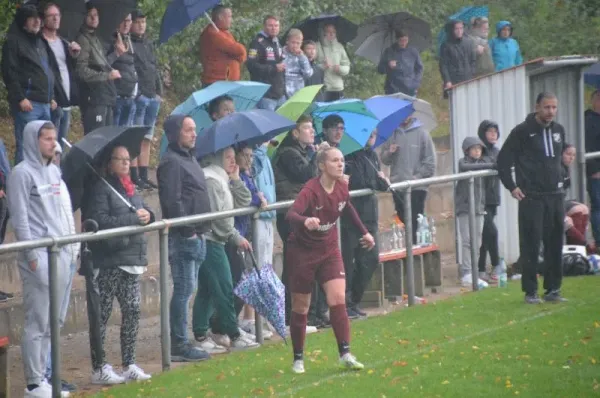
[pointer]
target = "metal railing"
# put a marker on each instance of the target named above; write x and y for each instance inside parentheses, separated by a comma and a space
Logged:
(53, 246)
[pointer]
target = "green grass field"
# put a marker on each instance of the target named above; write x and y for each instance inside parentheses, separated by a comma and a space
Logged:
(478, 344)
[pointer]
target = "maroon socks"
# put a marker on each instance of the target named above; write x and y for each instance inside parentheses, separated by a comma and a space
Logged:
(341, 327)
(298, 334)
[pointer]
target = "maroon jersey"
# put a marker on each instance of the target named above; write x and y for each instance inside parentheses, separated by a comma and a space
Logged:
(314, 201)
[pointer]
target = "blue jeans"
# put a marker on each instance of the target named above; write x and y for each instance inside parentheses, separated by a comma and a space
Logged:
(124, 112)
(61, 118)
(63, 315)
(40, 112)
(593, 185)
(185, 256)
(271, 104)
(146, 113)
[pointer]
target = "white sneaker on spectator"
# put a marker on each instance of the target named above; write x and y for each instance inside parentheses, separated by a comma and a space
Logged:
(135, 373)
(466, 281)
(309, 330)
(106, 376)
(209, 345)
(243, 343)
(43, 390)
(298, 366)
(249, 326)
(221, 339)
(248, 336)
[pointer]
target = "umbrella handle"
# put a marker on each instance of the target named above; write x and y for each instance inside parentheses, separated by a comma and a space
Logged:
(254, 263)
(211, 21)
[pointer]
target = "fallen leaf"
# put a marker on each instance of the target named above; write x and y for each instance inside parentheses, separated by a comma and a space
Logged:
(566, 367)
(210, 394)
(498, 379)
(221, 376)
(258, 391)
(445, 382)
(403, 342)
(593, 361)
(400, 363)
(425, 356)
(550, 362)
(597, 324)
(395, 380)
(371, 371)
(271, 390)
(475, 347)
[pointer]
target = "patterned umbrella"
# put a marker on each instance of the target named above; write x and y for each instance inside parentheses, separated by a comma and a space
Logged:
(262, 289)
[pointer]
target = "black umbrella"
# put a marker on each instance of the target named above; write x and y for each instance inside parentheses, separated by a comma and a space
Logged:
(378, 33)
(311, 27)
(86, 156)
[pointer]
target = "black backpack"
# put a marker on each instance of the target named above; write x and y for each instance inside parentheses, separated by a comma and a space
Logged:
(574, 264)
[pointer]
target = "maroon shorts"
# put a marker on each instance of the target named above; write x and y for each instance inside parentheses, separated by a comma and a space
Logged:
(307, 266)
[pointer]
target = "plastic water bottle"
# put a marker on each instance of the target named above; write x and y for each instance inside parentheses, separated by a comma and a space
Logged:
(400, 238)
(395, 238)
(426, 231)
(502, 275)
(419, 241)
(433, 231)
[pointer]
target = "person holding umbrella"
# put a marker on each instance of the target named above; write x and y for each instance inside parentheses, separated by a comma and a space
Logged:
(315, 255)
(402, 66)
(332, 58)
(119, 263)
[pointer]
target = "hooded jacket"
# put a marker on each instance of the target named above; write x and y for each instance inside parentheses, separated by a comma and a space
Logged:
(415, 157)
(182, 186)
(458, 57)
(293, 167)
(111, 212)
(536, 153)
(461, 192)
(146, 66)
(492, 184)
(221, 55)
(363, 168)
(26, 68)
(36, 206)
(93, 69)
(263, 54)
(335, 53)
(224, 195)
(406, 76)
(592, 140)
(125, 64)
(485, 63)
(262, 170)
(505, 51)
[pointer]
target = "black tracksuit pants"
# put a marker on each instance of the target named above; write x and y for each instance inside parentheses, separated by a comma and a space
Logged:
(489, 239)
(359, 263)
(541, 218)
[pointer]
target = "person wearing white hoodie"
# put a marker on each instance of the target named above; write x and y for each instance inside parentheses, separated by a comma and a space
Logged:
(35, 202)
(333, 59)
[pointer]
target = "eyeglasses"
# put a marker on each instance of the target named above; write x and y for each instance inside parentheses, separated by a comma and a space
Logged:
(338, 128)
(122, 160)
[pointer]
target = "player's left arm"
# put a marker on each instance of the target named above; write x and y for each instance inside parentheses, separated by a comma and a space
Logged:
(367, 240)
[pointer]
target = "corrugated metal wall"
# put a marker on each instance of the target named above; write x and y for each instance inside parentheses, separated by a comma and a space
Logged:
(504, 98)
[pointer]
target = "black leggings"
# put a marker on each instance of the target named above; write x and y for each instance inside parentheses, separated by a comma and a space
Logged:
(489, 239)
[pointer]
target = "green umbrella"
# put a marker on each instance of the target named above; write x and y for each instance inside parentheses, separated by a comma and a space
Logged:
(294, 108)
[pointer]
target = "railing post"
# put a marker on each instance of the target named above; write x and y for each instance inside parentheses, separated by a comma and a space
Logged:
(53, 252)
(258, 325)
(165, 330)
(408, 235)
(473, 234)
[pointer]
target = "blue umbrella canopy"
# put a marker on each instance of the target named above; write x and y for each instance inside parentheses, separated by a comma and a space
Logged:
(391, 112)
(252, 127)
(181, 13)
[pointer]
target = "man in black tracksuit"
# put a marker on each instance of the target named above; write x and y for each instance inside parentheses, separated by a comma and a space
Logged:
(364, 170)
(535, 148)
(265, 64)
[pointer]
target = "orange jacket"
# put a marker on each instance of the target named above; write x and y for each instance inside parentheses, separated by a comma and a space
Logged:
(221, 56)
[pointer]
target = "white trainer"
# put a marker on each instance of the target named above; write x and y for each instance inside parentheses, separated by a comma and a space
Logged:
(348, 361)
(43, 390)
(209, 345)
(135, 373)
(298, 366)
(220, 339)
(106, 376)
(249, 326)
(243, 343)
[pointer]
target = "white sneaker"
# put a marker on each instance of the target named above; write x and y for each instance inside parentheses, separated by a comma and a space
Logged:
(44, 390)
(250, 327)
(220, 339)
(210, 346)
(135, 373)
(467, 281)
(348, 361)
(243, 343)
(106, 376)
(309, 330)
(49, 386)
(246, 335)
(298, 366)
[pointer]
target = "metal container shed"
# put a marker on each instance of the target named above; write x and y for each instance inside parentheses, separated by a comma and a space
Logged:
(507, 97)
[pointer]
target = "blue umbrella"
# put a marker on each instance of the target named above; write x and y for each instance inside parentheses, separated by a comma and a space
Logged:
(391, 112)
(466, 14)
(252, 127)
(181, 13)
(591, 75)
(245, 95)
(358, 120)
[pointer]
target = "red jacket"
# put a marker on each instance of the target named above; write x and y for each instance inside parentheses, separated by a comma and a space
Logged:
(221, 56)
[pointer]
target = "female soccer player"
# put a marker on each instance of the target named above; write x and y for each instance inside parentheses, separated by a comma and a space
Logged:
(314, 253)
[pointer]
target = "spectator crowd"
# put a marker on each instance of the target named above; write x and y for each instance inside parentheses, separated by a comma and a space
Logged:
(119, 84)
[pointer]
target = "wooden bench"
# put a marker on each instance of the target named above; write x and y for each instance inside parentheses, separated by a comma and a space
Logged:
(390, 282)
(4, 385)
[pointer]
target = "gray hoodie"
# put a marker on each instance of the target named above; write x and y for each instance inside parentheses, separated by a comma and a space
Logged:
(224, 195)
(415, 157)
(37, 204)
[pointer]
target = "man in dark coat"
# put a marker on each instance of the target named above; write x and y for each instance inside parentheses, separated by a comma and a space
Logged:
(592, 144)
(458, 56)
(402, 66)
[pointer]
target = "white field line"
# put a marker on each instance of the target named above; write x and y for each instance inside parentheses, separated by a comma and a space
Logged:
(418, 352)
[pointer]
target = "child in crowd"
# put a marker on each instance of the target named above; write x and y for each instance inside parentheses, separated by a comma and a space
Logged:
(475, 159)
(297, 65)
(310, 49)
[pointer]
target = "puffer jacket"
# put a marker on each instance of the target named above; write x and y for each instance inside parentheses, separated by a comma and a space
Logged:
(110, 211)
